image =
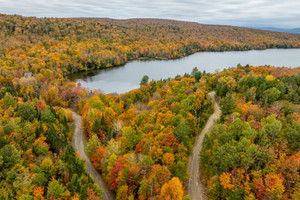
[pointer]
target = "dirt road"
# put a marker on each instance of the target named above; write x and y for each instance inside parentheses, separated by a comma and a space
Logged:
(78, 141)
(196, 189)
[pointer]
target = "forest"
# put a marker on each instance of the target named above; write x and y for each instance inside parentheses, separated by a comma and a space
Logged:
(77, 44)
(140, 141)
(37, 160)
(253, 153)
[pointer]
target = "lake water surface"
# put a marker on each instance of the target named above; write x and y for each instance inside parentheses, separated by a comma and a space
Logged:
(125, 78)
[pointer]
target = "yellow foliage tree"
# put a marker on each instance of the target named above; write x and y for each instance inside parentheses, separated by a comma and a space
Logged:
(38, 193)
(168, 159)
(172, 190)
(270, 78)
(225, 181)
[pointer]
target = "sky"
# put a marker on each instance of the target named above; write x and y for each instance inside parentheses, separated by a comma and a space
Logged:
(251, 13)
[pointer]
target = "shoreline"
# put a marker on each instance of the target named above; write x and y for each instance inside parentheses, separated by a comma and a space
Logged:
(146, 59)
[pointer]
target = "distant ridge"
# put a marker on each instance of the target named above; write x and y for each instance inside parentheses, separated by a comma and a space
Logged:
(293, 30)
(155, 21)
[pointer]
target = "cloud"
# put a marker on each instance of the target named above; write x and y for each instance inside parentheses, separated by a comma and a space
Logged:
(233, 12)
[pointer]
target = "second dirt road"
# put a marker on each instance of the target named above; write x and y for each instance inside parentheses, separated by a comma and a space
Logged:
(196, 188)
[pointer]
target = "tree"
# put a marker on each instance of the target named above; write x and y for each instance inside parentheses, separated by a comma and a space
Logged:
(170, 141)
(181, 131)
(270, 78)
(290, 171)
(132, 136)
(26, 111)
(156, 153)
(52, 96)
(10, 156)
(122, 192)
(172, 190)
(194, 71)
(8, 100)
(260, 189)
(97, 157)
(271, 95)
(296, 192)
(272, 127)
(92, 195)
(222, 89)
(178, 169)
(160, 174)
(47, 116)
(40, 179)
(225, 181)
(227, 104)
(274, 187)
(144, 80)
(95, 102)
(92, 145)
(293, 137)
(186, 197)
(9, 128)
(247, 68)
(27, 130)
(198, 76)
(47, 167)
(96, 125)
(1, 160)
(55, 190)
(145, 189)
(115, 171)
(40, 147)
(187, 103)
(225, 157)
(38, 193)
(236, 128)
(248, 157)
(168, 159)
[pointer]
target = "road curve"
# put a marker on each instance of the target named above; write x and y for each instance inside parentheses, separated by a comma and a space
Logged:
(78, 141)
(196, 188)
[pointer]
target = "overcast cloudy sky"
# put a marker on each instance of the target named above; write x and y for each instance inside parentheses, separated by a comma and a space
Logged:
(275, 13)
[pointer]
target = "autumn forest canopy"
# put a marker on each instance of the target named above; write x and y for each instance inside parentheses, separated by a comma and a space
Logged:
(71, 45)
(140, 141)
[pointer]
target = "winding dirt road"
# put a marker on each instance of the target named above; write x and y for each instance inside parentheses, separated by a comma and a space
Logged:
(78, 141)
(196, 188)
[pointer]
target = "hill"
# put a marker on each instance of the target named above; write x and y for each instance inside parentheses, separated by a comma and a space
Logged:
(34, 44)
(293, 30)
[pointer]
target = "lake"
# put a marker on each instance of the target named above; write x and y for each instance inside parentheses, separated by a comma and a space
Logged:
(125, 78)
